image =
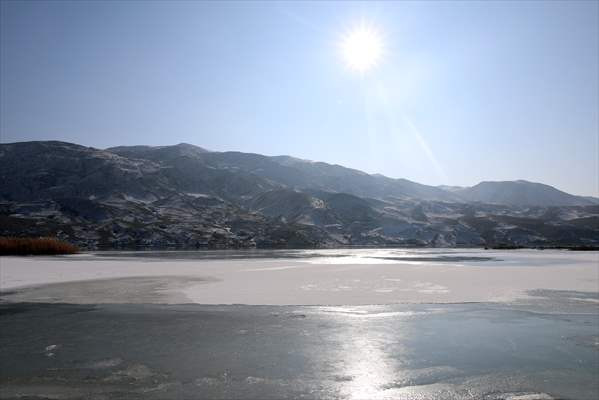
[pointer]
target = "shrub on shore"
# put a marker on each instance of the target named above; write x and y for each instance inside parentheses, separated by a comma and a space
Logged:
(35, 246)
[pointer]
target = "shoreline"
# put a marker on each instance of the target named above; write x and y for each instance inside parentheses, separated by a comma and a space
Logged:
(84, 250)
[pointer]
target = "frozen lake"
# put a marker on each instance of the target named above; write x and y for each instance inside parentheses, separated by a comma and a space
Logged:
(299, 277)
(342, 324)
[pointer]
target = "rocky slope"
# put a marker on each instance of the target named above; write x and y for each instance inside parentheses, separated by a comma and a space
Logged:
(184, 196)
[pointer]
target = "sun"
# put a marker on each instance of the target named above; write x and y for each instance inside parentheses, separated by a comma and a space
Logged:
(362, 48)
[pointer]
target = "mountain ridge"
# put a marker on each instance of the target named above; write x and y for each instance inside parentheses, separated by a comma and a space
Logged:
(521, 192)
(287, 160)
(185, 196)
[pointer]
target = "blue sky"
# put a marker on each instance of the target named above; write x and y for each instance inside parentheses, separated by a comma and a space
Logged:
(465, 92)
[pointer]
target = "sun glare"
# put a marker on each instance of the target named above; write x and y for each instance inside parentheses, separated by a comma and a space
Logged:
(362, 48)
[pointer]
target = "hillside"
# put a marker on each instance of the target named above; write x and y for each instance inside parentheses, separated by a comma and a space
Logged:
(522, 193)
(184, 196)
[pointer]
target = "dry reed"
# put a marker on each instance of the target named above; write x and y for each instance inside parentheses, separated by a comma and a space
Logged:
(35, 246)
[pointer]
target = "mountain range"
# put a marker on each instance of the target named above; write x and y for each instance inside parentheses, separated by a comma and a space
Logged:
(184, 196)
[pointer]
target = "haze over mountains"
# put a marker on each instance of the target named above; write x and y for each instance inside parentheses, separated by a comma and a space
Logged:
(185, 196)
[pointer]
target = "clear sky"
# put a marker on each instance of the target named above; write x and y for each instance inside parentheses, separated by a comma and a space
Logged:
(464, 92)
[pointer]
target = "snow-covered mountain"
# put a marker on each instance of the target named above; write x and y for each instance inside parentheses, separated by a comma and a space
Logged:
(186, 196)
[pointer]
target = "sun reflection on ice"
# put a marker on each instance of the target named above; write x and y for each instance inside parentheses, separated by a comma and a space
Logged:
(365, 366)
(369, 368)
